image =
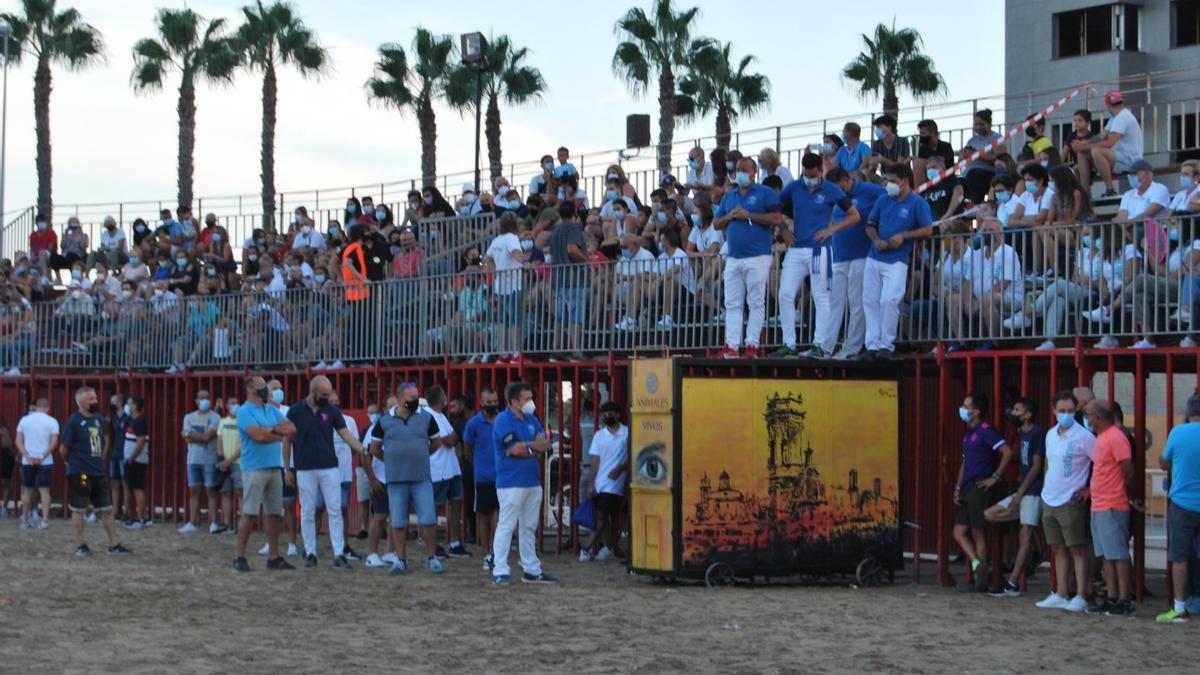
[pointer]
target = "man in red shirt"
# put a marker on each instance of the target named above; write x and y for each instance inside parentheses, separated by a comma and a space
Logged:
(42, 243)
(204, 238)
(1111, 487)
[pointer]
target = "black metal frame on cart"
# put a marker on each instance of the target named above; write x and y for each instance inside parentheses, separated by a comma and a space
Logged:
(790, 369)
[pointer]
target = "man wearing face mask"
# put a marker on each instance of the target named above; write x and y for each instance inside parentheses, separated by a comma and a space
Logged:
(404, 438)
(520, 442)
(977, 474)
(1069, 451)
(888, 149)
(946, 198)
(1115, 150)
(895, 221)
(263, 428)
(749, 216)
(1036, 141)
(1026, 503)
(982, 166)
(362, 484)
(699, 172)
(306, 235)
(469, 203)
(811, 201)
(480, 446)
(610, 455)
(930, 145)
(200, 431)
(81, 446)
(997, 283)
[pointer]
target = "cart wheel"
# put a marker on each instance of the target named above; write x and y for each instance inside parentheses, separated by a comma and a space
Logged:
(869, 572)
(718, 574)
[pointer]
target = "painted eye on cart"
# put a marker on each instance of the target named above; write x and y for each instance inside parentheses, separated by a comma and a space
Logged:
(651, 465)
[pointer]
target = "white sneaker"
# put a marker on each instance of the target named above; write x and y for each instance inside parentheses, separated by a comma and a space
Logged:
(666, 323)
(213, 528)
(390, 558)
(474, 359)
(1187, 342)
(91, 518)
(12, 372)
(1099, 315)
(1108, 342)
(1077, 604)
(484, 358)
(265, 549)
(1047, 345)
(1016, 321)
(1182, 315)
(844, 355)
(172, 370)
(626, 324)
(187, 528)
(337, 365)
(43, 525)
(585, 555)
(1053, 601)
(374, 560)
(292, 551)
(604, 554)
(1144, 344)
(320, 366)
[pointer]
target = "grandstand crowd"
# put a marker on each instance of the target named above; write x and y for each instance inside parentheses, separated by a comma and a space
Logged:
(1005, 247)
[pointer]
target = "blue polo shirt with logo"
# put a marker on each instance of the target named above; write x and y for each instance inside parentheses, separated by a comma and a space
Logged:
(979, 453)
(312, 447)
(257, 455)
(853, 243)
(746, 239)
(895, 216)
(852, 159)
(478, 435)
(508, 430)
(811, 210)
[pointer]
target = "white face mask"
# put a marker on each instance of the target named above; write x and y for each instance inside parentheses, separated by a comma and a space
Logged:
(529, 407)
(893, 189)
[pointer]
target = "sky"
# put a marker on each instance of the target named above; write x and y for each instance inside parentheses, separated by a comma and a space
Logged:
(111, 144)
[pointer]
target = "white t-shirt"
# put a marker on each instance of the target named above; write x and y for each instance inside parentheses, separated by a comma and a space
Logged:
(313, 240)
(952, 270)
(986, 268)
(1045, 202)
(704, 238)
(1128, 148)
(1134, 204)
(38, 428)
(680, 261)
(131, 443)
(1095, 267)
(443, 463)
(1068, 463)
(606, 211)
(342, 449)
(705, 177)
(784, 174)
(1180, 201)
(1006, 210)
(508, 268)
(612, 451)
(111, 241)
(642, 261)
(1175, 260)
(377, 465)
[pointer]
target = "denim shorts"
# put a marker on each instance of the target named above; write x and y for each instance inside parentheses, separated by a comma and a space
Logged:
(1110, 534)
(510, 308)
(450, 489)
(205, 474)
(116, 468)
(36, 476)
(421, 495)
(233, 478)
(569, 304)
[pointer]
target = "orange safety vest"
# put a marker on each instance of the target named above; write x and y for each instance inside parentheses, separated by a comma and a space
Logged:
(355, 289)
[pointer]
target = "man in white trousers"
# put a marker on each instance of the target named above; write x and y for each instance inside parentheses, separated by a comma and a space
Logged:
(520, 443)
(316, 467)
(897, 219)
(749, 215)
(811, 201)
(850, 248)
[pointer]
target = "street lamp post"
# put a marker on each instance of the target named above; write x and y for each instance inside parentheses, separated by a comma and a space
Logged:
(4, 31)
(474, 47)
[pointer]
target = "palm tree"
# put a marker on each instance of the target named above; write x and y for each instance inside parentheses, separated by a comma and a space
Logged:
(196, 55)
(49, 37)
(273, 36)
(655, 45)
(504, 76)
(398, 85)
(717, 83)
(893, 58)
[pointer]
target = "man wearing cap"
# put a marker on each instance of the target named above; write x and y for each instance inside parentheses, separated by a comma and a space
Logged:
(469, 204)
(1115, 150)
(1145, 198)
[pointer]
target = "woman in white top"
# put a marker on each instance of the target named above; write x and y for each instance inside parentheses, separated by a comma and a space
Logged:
(769, 165)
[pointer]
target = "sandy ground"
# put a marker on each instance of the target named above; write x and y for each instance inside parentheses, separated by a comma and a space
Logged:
(175, 606)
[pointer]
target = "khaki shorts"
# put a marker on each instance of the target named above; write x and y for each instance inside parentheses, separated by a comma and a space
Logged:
(262, 488)
(1066, 524)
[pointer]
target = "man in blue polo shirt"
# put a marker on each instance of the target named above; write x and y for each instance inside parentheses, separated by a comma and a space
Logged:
(262, 428)
(896, 220)
(976, 476)
(520, 443)
(316, 469)
(750, 215)
(852, 155)
(479, 444)
(811, 201)
(850, 248)
(1181, 457)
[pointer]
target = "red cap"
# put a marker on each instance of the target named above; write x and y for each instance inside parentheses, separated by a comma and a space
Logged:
(1114, 97)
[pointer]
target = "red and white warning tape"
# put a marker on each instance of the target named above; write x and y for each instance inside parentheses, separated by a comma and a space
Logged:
(962, 163)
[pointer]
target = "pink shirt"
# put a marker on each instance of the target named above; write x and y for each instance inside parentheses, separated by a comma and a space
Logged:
(1108, 481)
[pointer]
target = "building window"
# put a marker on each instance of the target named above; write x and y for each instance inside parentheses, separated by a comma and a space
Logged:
(1103, 28)
(1185, 142)
(1185, 21)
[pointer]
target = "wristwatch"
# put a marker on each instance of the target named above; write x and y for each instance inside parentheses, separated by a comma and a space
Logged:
(995, 475)
(529, 450)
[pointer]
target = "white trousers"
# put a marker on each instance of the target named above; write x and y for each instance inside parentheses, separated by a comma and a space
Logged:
(846, 288)
(883, 290)
(799, 263)
(745, 285)
(328, 482)
(519, 510)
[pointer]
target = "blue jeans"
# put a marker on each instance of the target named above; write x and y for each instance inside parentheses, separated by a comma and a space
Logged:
(205, 474)
(1189, 295)
(11, 351)
(421, 494)
(569, 304)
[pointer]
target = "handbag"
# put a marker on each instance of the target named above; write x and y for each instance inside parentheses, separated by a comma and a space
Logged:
(585, 515)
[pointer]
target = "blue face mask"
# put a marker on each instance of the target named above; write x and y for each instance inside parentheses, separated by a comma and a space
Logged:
(662, 216)
(562, 194)
(368, 210)
(1173, 235)
(1085, 241)
(695, 220)
(1087, 424)
(140, 228)
(1051, 186)
(126, 410)
(527, 245)
(1045, 163)
(880, 134)
(134, 260)
(932, 174)
(1031, 186)
(296, 218)
(277, 396)
(319, 278)
(742, 179)
(1134, 181)
(374, 417)
(729, 166)
(352, 208)
(964, 414)
(618, 214)
(612, 195)
(181, 262)
(811, 182)
(1065, 420)
(827, 147)
(693, 164)
(252, 257)
(1185, 182)
(1002, 197)
(204, 404)
(1098, 243)
(626, 254)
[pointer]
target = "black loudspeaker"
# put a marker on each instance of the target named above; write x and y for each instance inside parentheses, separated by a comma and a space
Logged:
(637, 131)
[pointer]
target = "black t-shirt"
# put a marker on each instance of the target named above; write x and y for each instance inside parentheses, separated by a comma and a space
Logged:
(378, 258)
(939, 196)
(312, 447)
(943, 150)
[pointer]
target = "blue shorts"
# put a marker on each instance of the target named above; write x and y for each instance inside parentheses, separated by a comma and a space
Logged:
(451, 489)
(510, 308)
(205, 474)
(345, 497)
(116, 468)
(421, 495)
(289, 492)
(36, 476)
(569, 304)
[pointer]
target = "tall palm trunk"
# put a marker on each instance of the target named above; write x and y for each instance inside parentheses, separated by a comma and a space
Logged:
(427, 121)
(187, 139)
(891, 103)
(492, 132)
(724, 130)
(41, 116)
(269, 95)
(666, 117)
